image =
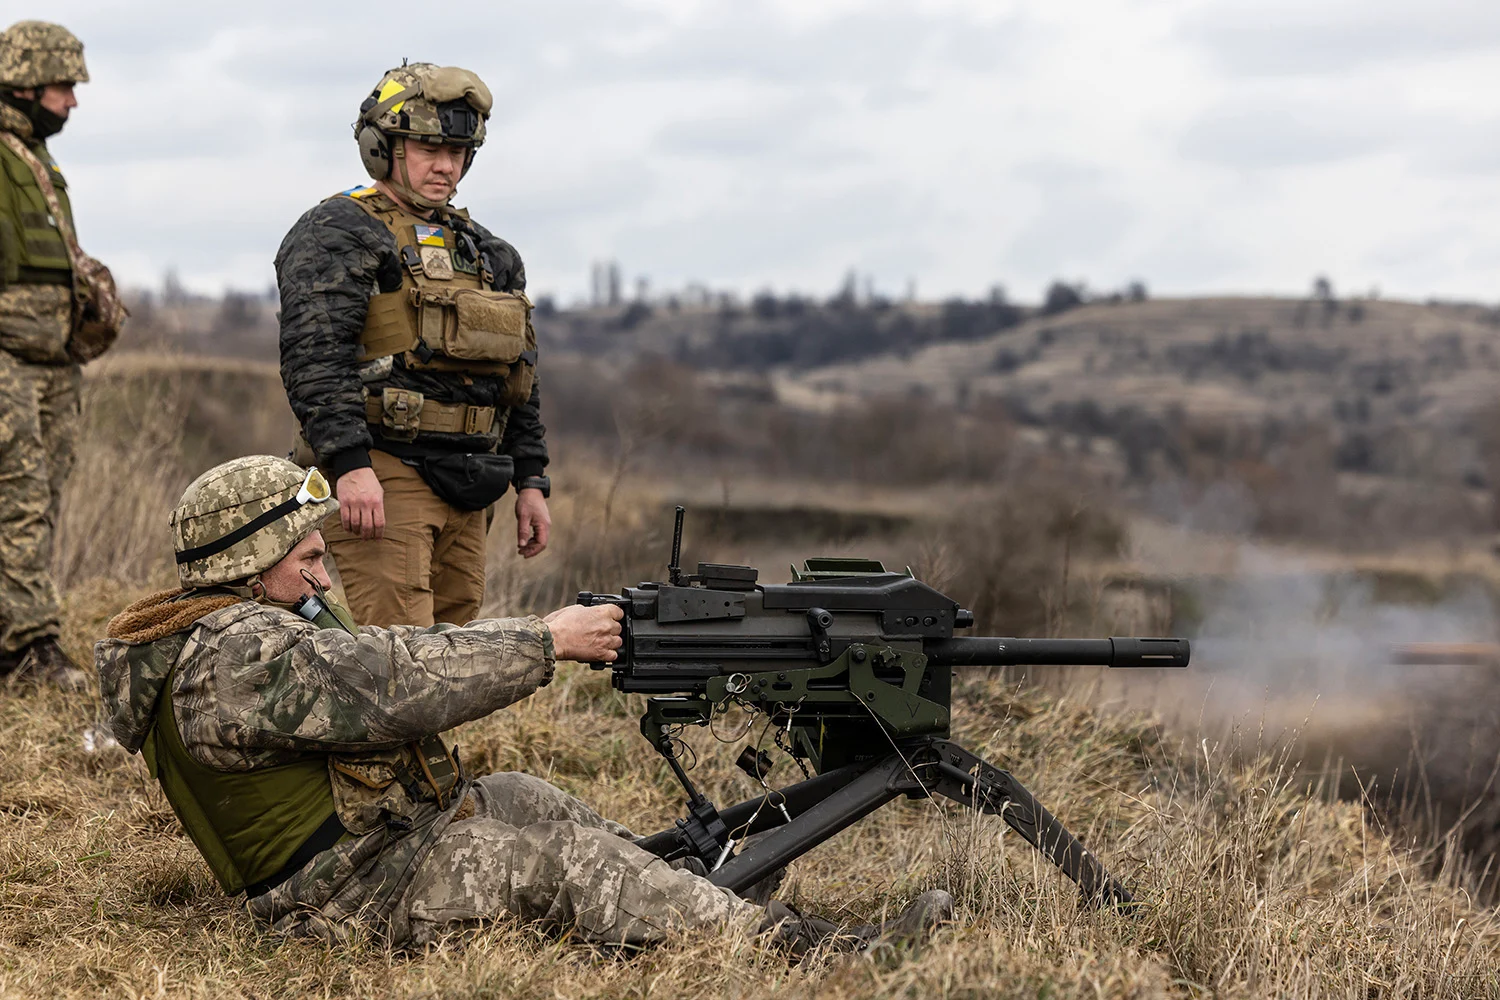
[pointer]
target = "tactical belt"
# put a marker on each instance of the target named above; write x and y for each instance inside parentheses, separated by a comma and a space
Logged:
(324, 837)
(436, 418)
(44, 276)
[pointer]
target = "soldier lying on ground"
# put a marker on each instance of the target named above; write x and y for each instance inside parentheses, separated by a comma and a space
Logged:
(304, 762)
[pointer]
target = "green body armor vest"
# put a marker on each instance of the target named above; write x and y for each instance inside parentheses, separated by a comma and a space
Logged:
(253, 825)
(246, 824)
(32, 250)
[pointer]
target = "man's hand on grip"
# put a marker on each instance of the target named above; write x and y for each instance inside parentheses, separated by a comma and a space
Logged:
(589, 635)
(361, 503)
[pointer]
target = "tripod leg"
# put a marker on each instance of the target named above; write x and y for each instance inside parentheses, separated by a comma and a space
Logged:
(966, 778)
(758, 813)
(854, 801)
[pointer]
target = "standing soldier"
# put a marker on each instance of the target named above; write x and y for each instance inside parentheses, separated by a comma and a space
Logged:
(57, 308)
(409, 358)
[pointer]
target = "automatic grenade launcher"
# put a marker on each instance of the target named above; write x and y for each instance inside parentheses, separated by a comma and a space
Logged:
(851, 665)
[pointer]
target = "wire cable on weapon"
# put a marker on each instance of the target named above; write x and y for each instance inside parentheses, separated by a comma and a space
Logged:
(783, 736)
(721, 709)
(741, 832)
(927, 792)
(673, 737)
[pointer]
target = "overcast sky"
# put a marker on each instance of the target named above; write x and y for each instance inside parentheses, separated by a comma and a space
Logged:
(1199, 145)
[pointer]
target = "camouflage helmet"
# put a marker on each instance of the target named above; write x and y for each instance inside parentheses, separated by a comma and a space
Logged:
(36, 53)
(241, 518)
(437, 104)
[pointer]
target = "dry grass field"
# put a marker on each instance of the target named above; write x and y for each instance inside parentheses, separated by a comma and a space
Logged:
(1258, 881)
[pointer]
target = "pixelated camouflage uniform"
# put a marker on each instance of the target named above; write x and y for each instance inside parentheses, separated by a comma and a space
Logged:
(255, 687)
(39, 389)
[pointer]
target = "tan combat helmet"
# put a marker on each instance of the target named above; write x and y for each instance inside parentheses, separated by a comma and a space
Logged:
(239, 519)
(428, 103)
(36, 53)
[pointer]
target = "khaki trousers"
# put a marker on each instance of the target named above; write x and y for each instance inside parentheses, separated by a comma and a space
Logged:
(428, 568)
(38, 428)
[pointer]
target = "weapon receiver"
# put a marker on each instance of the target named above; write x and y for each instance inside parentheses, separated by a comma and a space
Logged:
(851, 665)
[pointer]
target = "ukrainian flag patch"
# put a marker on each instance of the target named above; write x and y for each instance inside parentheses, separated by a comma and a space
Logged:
(358, 191)
(430, 236)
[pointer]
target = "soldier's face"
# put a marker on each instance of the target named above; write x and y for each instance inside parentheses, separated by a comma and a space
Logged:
(434, 170)
(284, 582)
(58, 98)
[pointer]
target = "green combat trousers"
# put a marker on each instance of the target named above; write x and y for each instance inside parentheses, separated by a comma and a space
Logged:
(38, 427)
(515, 845)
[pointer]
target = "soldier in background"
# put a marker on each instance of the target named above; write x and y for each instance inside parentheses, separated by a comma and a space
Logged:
(303, 757)
(58, 307)
(409, 358)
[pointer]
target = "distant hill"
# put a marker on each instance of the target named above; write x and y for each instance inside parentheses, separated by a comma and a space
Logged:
(1391, 409)
(1361, 362)
(771, 333)
(1357, 361)
(1354, 362)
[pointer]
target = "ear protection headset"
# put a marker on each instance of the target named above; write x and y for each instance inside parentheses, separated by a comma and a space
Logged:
(375, 145)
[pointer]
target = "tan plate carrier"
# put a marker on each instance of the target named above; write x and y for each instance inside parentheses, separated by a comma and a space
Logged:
(444, 317)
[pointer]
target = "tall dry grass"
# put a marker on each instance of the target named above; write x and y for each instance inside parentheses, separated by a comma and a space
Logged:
(149, 424)
(1256, 881)
(129, 474)
(1254, 884)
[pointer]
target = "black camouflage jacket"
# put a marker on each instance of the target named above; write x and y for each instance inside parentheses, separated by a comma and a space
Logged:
(330, 264)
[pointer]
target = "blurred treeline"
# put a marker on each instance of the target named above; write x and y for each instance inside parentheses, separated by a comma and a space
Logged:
(1353, 439)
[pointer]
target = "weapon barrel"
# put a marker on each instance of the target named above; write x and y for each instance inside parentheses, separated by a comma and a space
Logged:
(1116, 652)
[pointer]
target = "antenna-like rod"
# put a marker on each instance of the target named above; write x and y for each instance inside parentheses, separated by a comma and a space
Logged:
(674, 571)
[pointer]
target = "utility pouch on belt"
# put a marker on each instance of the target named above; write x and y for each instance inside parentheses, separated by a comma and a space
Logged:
(468, 481)
(374, 789)
(400, 414)
(410, 411)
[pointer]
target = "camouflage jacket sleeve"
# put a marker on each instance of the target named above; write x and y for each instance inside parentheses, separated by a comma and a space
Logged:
(524, 439)
(257, 686)
(328, 266)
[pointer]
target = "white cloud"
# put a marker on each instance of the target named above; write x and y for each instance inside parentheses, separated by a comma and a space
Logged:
(1202, 145)
(1297, 37)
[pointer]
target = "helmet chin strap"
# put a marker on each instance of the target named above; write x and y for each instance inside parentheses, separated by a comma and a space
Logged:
(403, 187)
(254, 589)
(249, 589)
